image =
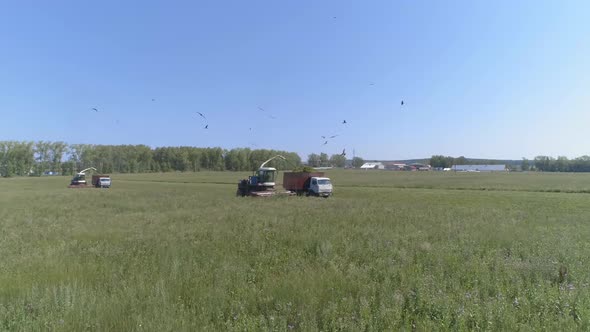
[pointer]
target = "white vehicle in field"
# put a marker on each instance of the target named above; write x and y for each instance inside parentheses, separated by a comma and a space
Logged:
(101, 181)
(310, 184)
(320, 186)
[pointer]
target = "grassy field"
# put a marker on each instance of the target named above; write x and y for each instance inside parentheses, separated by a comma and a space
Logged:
(390, 251)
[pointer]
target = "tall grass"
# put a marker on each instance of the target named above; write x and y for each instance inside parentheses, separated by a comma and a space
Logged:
(180, 252)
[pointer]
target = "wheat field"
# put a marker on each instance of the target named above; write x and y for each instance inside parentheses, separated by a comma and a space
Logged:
(389, 251)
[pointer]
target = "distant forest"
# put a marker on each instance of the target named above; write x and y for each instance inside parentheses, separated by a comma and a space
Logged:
(38, 158)
(539, 163)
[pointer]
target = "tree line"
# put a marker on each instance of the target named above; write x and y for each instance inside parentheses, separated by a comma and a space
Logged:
(440, 161)
(559, 164)
(335, 160)
(38, 158)
(539, 163)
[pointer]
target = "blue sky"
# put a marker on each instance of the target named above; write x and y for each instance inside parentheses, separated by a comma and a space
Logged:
(501, 79)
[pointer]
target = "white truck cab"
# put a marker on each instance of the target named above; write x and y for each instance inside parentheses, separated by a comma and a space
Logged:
(105, 182)
(320, 187)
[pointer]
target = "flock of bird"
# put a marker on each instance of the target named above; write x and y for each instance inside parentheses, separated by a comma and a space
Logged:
(325, 138)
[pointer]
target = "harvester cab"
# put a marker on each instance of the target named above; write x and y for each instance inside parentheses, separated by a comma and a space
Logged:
(262, 183)
(266, 176)
(80, 178)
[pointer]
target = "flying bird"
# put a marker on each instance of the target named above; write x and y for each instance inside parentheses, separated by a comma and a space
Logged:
(324, 137)
(344, 122)
(343, 152)
(268, 115)
(334, 136)
(201, 114)
(326, 142)
(402, 103)
(206, 126)
(153, 99)
(94, 109)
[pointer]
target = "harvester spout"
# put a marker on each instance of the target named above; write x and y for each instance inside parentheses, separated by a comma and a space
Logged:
(277, 156)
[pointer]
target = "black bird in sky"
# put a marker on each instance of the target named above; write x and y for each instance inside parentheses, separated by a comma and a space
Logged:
(326, 142)
(268, 115)
(206, 126)
(153, 99)
(402, 103)
(334, 136)
(343, 152)
(201, 114)
(324, 137)
(95, 109)
(344, 122)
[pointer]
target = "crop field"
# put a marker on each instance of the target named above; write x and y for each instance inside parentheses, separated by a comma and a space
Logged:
(389, 251)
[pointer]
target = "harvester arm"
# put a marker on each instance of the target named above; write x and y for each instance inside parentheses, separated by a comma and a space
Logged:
(89, 168)
(277, 156)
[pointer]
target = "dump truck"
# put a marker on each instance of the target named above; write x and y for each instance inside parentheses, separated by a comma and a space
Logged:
(262, 183)
(101, 181)
(308, 183)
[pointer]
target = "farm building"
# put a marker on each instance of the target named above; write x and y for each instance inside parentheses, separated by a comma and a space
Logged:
(394, 166)
(479, 168)
(373, 165)
(420, 167)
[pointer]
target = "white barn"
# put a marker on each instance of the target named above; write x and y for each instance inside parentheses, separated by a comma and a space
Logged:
(479, 168)
(373, 165)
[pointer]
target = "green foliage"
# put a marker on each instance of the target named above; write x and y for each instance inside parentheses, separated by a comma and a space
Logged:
(324, 160)
(562, 164)
(525, 166)
(439, 161)
(16, 158)
(303, 169)
(337, 160)
(177, 252)
(357, 162)
(20, 158)
(257, 157)
(313, 160)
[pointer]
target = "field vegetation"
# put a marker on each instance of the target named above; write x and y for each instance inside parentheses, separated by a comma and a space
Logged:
(390, 251)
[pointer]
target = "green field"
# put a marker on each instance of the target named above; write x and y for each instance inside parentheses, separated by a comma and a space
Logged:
(390, 251)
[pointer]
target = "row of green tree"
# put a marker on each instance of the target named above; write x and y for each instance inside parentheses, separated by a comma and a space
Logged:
(37, 158)
(440, 161)
(336, 160)
(539, 163)
(559, 164)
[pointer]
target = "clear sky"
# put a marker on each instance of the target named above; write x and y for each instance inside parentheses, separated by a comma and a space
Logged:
(489, 79)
